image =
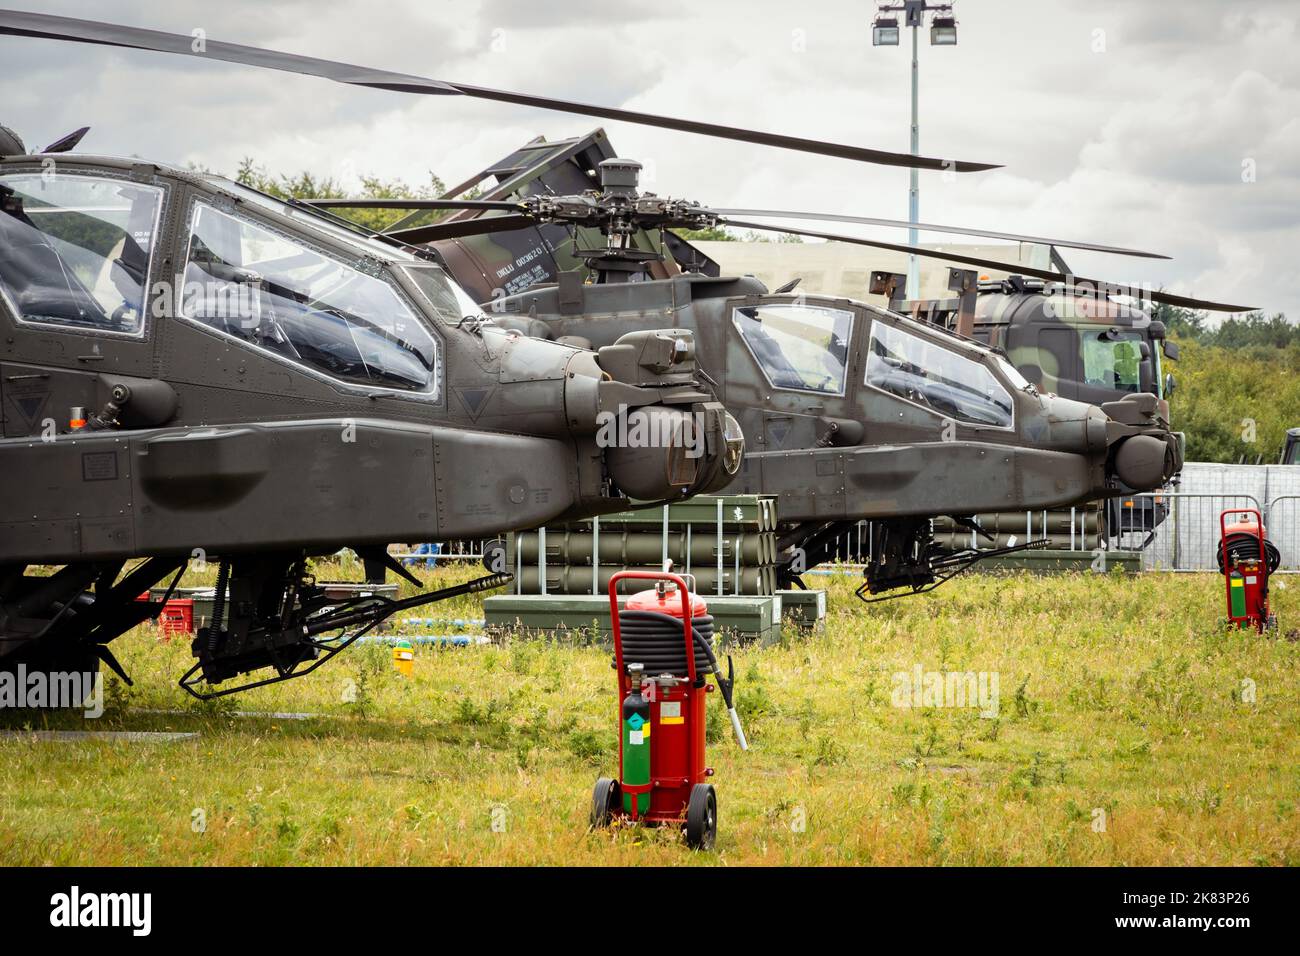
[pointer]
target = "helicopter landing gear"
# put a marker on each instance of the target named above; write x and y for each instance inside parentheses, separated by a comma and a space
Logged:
(269, 612)
(62, 623)
(901, 555)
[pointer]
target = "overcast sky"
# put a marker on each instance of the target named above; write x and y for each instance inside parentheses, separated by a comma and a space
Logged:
(1171, 127)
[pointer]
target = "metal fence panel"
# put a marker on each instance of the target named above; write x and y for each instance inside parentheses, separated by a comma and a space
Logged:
(1283, 525)
(1188, 538)
(1212, 478)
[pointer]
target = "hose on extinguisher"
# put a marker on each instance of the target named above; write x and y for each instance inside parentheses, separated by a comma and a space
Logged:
(654, 640)
(1244, 546)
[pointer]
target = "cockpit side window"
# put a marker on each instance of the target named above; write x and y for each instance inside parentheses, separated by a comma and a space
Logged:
(276, 293)
(927, 374)
(75, 250)
(799, 347)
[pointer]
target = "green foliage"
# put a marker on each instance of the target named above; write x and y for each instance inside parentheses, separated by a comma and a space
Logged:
(722, 234)
(1252, 329)
(305, 185)
(1236, 403)
(712, 234)
(1237, 391)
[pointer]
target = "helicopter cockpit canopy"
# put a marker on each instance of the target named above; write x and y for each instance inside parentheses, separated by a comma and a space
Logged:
(274, 291)
(442, 294)
(74, 250)
(798, 345)
(925, 373)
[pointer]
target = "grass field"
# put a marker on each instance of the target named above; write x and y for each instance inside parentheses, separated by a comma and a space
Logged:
(1131, 729)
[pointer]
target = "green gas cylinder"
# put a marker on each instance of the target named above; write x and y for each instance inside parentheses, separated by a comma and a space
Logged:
(636, 746)
(1236, 594)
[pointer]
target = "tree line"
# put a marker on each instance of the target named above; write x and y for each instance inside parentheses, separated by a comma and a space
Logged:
(1237, 390)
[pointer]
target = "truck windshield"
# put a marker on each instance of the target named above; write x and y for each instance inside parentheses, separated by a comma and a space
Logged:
(927, 374)
(1110, 360)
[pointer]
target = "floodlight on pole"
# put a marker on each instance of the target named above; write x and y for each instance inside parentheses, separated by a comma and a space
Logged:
(884, 31)
(943, 32)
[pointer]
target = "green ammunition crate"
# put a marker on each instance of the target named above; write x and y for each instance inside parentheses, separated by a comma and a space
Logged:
(806, 609)
(746, 619)
(739, 512)
(1052, 560)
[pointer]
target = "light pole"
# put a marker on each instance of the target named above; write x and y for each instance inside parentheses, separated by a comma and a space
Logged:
(943, 32)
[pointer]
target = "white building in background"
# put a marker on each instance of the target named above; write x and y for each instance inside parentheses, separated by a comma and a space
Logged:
(839, 268)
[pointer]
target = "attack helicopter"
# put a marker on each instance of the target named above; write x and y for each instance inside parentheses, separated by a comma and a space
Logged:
(1070, 343)
(195, 370)
(844, 424)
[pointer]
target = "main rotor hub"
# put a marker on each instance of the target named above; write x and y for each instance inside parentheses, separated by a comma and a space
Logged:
(618, 210)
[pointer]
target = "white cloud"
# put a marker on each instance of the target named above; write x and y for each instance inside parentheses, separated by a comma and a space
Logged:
(1140, 143)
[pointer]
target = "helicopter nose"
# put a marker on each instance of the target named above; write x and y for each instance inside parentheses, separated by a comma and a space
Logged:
(659, 452)
(1129, 440)
(1143, 462)
(1144, 452)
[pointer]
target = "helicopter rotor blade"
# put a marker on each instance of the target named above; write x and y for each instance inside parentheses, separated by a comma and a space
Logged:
(483, 204)
(45, 26)
(66, 144)
(798, 143)
(460, 229)
(931, 227)
(1099, 286)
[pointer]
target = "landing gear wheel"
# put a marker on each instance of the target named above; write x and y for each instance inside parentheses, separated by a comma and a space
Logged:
(606, 798)
(702, 817)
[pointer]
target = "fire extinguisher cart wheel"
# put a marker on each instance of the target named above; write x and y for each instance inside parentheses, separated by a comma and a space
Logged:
(702, 817)
(606, 800)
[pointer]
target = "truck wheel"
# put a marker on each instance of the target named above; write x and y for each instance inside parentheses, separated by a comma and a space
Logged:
(606, 798)
(702, 817)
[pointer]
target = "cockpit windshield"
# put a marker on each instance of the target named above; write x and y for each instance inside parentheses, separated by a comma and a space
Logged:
(75, 249)
(444, 296)
(799, 346)
(927, 374)
(273, 291)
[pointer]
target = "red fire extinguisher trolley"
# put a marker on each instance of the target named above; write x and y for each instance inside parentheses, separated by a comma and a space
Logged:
(662, 654)
(1246, 558)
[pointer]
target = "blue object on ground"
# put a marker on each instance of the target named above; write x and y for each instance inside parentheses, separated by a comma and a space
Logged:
(443, 640)
(432, 548)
